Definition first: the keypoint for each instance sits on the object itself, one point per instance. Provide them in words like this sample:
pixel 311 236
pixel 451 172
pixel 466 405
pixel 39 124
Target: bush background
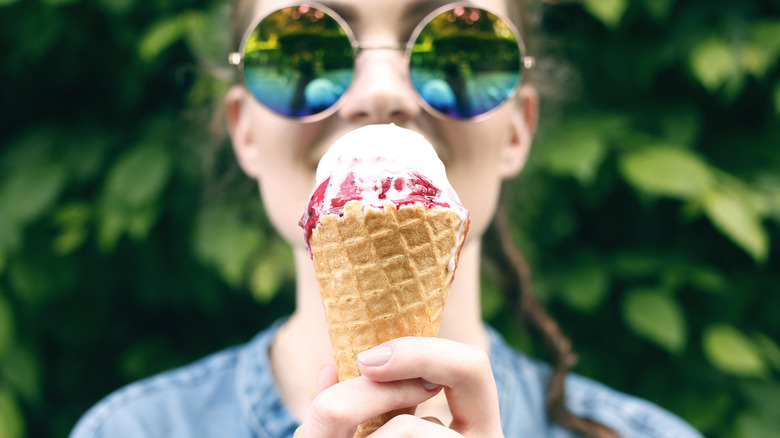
pixel 649 210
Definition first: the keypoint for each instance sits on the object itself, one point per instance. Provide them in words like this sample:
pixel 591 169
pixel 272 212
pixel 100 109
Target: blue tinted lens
pixel 298 61
pixel 465 62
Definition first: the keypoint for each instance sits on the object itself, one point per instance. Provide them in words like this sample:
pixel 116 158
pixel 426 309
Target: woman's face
pixel 282 154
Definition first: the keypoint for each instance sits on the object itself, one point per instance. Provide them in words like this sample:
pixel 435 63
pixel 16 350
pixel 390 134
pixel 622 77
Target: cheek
pixel 473 170
pixel 286 162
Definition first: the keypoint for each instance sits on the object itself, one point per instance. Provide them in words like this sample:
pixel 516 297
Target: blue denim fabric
pixel 232 394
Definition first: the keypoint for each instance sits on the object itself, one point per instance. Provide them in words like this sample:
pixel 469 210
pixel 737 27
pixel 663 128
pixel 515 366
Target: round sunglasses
pixel 464 61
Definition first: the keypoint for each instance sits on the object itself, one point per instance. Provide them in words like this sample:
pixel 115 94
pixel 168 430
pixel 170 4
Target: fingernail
pixel 428 385
pixel 375 356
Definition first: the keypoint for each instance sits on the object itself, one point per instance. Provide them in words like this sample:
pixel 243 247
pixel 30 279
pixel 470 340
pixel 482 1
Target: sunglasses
pixel 463 61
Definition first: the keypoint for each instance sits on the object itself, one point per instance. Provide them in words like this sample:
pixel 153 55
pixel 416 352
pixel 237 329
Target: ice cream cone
pixel 383 273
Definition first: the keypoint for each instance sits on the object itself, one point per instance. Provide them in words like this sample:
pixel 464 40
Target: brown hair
pixel 562 356
pixel 530 310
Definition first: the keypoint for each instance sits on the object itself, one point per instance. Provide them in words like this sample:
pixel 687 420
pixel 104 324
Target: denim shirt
pixel 232 394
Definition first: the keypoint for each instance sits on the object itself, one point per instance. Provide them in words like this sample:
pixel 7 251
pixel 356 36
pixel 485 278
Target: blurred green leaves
pixel 227 243
pixel 663 170
pixel 657 317
pixel 677 173
pixel 649 208
pixel 736 216
pixel 133 186
pixel 733 352
pixel 31 184
pixel 722 61
pixel 610 12
pixel 12 425
pixel 7 326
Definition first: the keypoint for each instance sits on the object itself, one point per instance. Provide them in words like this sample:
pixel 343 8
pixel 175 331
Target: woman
pixel 468 381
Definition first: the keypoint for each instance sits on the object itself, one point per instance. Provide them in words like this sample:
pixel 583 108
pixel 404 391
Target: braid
pixel 557 343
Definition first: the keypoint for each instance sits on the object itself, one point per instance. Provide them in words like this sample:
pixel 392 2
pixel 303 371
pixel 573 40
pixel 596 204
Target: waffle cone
pixel 383 274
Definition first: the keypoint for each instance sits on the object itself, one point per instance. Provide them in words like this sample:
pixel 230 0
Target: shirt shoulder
pixel 522 391
pixel 165 404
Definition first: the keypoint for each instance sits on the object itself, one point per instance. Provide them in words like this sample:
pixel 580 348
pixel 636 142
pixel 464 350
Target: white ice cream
pixel 376 164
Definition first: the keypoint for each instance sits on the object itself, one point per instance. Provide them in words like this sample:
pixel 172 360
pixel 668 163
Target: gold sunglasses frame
pixel 526 62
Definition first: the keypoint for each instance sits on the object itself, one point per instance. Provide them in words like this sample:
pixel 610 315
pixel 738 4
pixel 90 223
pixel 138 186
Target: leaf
pixel 736 217
pixel 492 298
pixel 748 424
pixel 138 176
pixel 7 326
pixel 655 316
pixel 3 257
pixel 585 285
pixel 30 191
pixel 765 36
pixel 12 424
pixel 132 188
pixel 223 241
pixel 21 368
pixel 776 97
pixel 637 263
pixel 769 348
pixel 265 282
pixel 713 63
pixel 755 60
pixel 577 148
pixel 705 411
pixel 729 350
pixel 666 171
pixel 59 2
pixel 609 12
pixel 681 124
pixel 271 272
pixel 7 2
pixel 117 7
pixel 204 33
pixel 72 220
pixel 659 9
pixel 579 158
pixel 763 398
pixel 160 36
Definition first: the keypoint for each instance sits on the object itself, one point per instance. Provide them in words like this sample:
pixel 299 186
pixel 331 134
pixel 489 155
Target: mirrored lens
pixel 298 61
pixel 465 62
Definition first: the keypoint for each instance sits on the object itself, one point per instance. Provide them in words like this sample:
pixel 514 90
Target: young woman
pixel 465 93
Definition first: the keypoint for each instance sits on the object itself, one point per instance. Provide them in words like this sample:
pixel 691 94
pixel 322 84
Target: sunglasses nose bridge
pixel 381 90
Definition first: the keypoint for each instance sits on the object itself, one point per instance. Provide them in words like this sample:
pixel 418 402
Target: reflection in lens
pixel 298 61
pixel 465 62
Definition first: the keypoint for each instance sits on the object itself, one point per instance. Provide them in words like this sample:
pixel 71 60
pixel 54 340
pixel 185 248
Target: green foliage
pixel 655 316
pixel 649 208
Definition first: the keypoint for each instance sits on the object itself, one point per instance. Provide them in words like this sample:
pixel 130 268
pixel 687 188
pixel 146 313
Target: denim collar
pixel 257 392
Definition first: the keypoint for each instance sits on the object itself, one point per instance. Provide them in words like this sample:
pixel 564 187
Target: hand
pixel 405 372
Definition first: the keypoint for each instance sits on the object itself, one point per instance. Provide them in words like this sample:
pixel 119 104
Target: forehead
pixel 384 9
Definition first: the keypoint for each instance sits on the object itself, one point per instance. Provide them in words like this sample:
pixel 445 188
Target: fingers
pixel 411 426
pixel 337 411
pixel 463 370
pixel 433 420
pixel 327 377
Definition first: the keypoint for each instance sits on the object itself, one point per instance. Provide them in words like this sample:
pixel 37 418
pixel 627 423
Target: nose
pixel 381 91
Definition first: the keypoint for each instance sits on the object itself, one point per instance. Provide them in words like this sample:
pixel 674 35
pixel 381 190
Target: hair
pixel 562 356
pixel 510 257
